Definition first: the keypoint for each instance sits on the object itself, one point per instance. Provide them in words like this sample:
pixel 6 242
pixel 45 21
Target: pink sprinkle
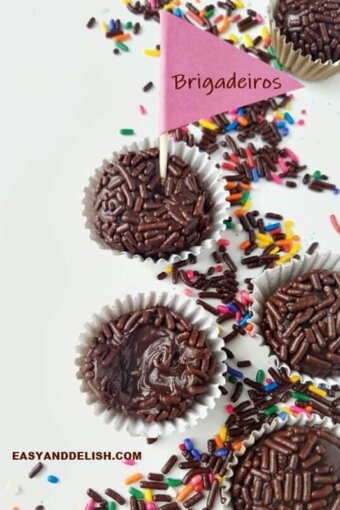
pixel 211 477
pixel 269 380
pixel 229 408
pixel 90 505
pixel 292 155
pixel 184 129
pixel 189 274
pixel 188 292
pixel 234 117
pixel 300 122
pixel 222 309
pixel 142 110
pixel 246 296
pixel 218 269
pixel 259 18
pixel 236 18
pixel 196 479
pixel 298 410
pixel 276 178
pixel 283 165
pixel 303 112
pixel 233 111
pixel 151 506
pixel 129 462
pixel 223 242
pixel 238 316
pixel 335 223
pixel 153 4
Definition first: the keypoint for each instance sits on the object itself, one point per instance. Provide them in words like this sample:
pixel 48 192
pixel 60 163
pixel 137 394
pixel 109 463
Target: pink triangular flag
pixel 188 52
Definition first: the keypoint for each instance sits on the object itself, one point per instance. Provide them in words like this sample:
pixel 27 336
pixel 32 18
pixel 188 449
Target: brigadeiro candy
pixel 130 210
pixel 306 36
pixel 151 362
pixel 296 467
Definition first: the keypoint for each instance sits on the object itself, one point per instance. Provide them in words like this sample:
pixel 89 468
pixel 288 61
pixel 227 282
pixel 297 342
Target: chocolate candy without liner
pixel 301 323
pixel 135 213
pixel 293 468
pixel 151 364
pixel 313 26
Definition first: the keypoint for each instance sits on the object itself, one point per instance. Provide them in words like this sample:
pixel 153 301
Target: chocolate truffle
pixel 312 26
pixel 151 364
pixel 301 323
pixel 295 467
pixel 136 213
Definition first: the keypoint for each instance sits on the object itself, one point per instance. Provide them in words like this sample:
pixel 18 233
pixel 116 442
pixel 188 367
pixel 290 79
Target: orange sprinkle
pixel 249 327
pixel 133 478
pixel 237 446
pixel 296 238
pixel 309 409
pixel 283 243
pixel 245 245
pixel 121 37
pixel 234 197
pixel 202 13
pixel 224 25
pixel 176 2
pixel 245 187
pixel 239 212
pixel 230 185
pixel 218 441
pixel 242 121
pixel 184 493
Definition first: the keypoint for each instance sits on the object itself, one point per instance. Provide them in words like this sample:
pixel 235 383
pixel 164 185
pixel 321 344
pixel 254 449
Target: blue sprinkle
pixel 231 127
pixel 232 308
pixel 255 175
pixel 272 226
pixel 281 124
pixel 52 479
pixel 282 415
pixel 112 25
pixel 240 111
pixel 221 452
pixel 233 371
pixel 336 191
pixel 195 454
pixel 188 444
pixel 289 118
pixel 178 12
pixel 271 386
pixel 284 131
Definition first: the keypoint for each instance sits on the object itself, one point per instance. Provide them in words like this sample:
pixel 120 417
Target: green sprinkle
pixel 232 379
pixel 260 375
pixel 230 225
pixel 111 505
pixel 317 175
pixel 135 492
pixel 122 46
pixel 271 51
pixel 278 64
pixel 128 25
pixel 126 131
pixel 300 396
pixel 270 410
pixel 209 13
pixel 173 482
pixel 245 197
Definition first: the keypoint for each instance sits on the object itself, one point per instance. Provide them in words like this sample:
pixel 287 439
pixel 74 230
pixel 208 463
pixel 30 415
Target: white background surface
pixel 64 97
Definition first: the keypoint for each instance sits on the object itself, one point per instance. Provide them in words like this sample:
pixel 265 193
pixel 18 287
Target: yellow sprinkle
pixel 219 478
pixel 283 259
pixel 223 433
pixel 246 206
pixel 234 38
pixel 168 270
pixel 317 391
pixel 248 41
pixel 104 27
pixel 207 124
pixel 295 249
pixel 151 53
pixel 288 223
pixel 288 106
pixel 263 244
pixel 148 495
pixel 294 378
pixel 279 115
pixel 218 331
pixel 274 250
pixel 167 7
pixel 239 4
pixel 127 2
pixel 286 410
pixel 264 32
pixel 264 237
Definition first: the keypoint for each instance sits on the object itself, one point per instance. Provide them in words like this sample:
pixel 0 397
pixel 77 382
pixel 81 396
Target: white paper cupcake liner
pixel 193 313
pixel 276 424
pixel 210 178
pixel 269 282
pixel 299 65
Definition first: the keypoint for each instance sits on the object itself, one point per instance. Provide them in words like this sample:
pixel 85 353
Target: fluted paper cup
pixel 210 178
pixel 196 316
pixel 256 435
pixel 301 66
pixel 269 282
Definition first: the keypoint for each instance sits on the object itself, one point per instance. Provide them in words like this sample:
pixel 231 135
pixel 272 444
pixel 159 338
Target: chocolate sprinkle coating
pixel 150 363
pixel 313 26
pixel 135 213
pixel 295 467
pixel 301 323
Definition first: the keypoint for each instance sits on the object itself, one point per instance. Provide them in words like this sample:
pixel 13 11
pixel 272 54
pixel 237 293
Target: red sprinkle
pixel 223 242
pixel 335 223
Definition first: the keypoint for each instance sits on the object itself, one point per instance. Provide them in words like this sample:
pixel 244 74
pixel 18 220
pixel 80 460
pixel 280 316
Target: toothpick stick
pixel 163 155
